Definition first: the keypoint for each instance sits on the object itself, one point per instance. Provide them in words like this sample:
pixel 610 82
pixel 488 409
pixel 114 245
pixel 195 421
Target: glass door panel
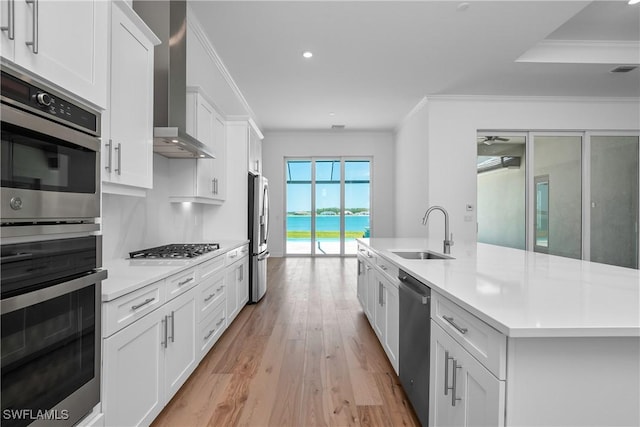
pixel 357 196
pixel 328 218
pixel 614 200
pixel 298 223
pixel 559 158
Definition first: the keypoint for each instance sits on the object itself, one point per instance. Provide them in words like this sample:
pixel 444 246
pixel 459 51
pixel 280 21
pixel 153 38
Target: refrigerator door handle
pixel 264 255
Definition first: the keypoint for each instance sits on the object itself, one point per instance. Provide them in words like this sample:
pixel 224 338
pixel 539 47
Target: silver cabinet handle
pixel 368 267
pixel 453 381
pixel 380 293
pixel 142 304
pixel 207 299
pixel 209 334
pixel 164 322
pixel 219 322
pixel 369 255
pixel 184 282
pixel 446 372
pixel 359 267
pixel 34 43
pixel 452 323
pixel 383 267
pixel 109 155
pixel 119 150
pixel 10 28
pixel 241 273
pixel 173 326
pixel 257 167
pixel 233 254
pixel 220 288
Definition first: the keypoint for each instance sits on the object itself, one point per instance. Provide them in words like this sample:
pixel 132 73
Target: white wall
pixel 450 135
pixel 411 192
pixel 378 145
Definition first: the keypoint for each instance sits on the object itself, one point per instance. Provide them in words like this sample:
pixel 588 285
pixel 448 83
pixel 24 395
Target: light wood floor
pixel 304 356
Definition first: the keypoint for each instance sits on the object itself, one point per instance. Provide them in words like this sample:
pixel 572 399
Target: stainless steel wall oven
pixel 50 160
pixel 51 330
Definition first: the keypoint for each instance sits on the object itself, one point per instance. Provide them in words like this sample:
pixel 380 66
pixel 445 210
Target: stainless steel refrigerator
pixel 258 236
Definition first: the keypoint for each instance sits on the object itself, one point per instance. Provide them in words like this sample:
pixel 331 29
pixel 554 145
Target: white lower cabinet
pixel 379 299
pixel 463 392
pixel 237 284
pixel 147 362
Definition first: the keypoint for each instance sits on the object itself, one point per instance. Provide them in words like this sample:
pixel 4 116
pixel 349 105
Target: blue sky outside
pixel 327 193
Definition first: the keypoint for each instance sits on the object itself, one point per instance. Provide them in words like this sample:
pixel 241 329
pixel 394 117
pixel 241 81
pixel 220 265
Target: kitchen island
pixel 522 338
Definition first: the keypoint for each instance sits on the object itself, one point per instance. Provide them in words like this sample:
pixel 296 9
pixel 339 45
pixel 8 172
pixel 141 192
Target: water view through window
pixel 328 205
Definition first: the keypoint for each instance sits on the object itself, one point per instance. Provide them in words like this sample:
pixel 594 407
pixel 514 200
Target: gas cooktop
pixel 180 251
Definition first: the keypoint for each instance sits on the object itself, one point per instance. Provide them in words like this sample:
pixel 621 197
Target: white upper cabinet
pixel 201 180
pixel 64 42
pixel 127 154
pixel 255 149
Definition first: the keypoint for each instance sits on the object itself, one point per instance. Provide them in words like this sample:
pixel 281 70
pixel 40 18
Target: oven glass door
pixel 49 350
pixel 34 161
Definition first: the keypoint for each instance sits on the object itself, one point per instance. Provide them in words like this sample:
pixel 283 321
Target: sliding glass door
pixel 582 191
pixel 328 205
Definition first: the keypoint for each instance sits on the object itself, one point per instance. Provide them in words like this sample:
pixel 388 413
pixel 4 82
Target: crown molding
pixel 416 108
pixel 198 31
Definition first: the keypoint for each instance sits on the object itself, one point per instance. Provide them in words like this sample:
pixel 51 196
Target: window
pixel 328 205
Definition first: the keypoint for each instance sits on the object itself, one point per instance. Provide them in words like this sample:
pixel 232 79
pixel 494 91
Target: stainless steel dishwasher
pixel 415 335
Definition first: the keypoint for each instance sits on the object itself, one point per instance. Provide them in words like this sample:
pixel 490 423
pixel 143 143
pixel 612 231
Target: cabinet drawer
pixel 181 282
pixel 481 340
pixel 130 307
pixel 211 293
pixel 244 251
pixel 210 267
pixel 211 328
pixel 388 268
pixel 233 256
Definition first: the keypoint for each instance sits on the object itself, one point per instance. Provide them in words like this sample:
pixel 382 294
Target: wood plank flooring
pixel 304 356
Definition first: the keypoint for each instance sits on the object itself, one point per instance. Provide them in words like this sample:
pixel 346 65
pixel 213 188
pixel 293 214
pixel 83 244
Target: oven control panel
pixel 27 95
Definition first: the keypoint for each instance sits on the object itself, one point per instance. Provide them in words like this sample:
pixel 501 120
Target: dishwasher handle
pixel 416 288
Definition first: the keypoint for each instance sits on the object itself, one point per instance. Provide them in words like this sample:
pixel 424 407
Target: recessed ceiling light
pixel 201 155
pixel 634 1
pixel 331 114
pixel 307 54
pixel 464 6
pixel 175 141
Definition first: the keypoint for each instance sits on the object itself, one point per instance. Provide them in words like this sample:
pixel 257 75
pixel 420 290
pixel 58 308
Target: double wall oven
pixel 51 255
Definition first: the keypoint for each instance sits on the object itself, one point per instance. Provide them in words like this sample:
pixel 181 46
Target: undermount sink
pixel 421 255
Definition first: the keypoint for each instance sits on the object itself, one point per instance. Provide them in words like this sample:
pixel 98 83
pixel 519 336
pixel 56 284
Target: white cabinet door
pixel 255 152
pixel 243 284
pixel 380 321
pixel 220 162
pixel 392 326
pixel 232 293
pixel 372 293
pixel 68 43
pixel 464 392
pixel 201 180
pixel 362 284
pixel 180 354
pixel 7 36
pixel 133 372
pixel 129 156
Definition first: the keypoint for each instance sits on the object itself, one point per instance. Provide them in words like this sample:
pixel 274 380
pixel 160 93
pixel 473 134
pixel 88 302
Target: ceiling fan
pixel 488 140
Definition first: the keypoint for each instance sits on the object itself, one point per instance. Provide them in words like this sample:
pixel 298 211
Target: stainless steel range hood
pixel 168 20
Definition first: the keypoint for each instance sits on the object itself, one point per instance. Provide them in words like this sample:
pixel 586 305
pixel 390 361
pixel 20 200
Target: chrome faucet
pixel 448 240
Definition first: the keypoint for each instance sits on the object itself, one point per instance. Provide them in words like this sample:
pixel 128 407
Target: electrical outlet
pixel 469 208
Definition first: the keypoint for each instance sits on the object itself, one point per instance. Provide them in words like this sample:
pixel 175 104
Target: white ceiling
pixel 375 60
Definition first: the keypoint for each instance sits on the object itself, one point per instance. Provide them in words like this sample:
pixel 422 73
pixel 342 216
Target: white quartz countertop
pixel 526 294
pixel 126 275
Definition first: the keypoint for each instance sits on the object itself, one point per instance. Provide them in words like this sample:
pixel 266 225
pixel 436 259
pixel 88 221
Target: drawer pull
pixel 207 299
pixel 220 288
pixel 383 267
pixel 209 334
pixel 452 323
pixel 233 254
pixel 184 282
pixel 453 385
pixel 143 303
pixel 219 322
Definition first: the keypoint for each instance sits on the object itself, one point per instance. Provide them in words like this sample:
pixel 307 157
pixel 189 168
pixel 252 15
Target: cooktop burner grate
pixel 175 251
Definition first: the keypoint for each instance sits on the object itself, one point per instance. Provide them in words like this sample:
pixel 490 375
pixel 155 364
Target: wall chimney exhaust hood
pixel 168 20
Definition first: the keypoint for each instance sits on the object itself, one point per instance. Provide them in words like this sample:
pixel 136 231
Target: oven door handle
pixel 21 301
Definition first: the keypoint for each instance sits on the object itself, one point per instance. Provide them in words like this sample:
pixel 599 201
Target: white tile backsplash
pixel 132 223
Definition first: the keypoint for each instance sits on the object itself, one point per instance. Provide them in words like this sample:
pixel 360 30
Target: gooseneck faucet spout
pixel 448 239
